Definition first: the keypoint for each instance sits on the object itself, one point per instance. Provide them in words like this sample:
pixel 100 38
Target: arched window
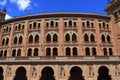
pixel 19 26
pixel 55 37
pixel 88 23
pixel 29 52
pixel 105 51
pixel 6 29
pixel 83 24
pixel 68 51
pixel 20 39
pixel 110 51
pixel 56 24
pixel 13 53
pixel 15 40
pixel 19 52
pixel 65 23
pixel 5 53
pixel 47 24
pixel 108 38
pixel 7 41
pixel 100 25
pixel 30 25
pixel 103 25
pixel 87 51
pixel 92 24
pixel 55 51
pixel 38 25
pixel 67 37
pixel 70 23
pixel 30 39
pixel 86 38
pixel 74 37
pixel 3 41
pixel 94 51
pixel 34 25
pixel 92 37
pixel 75 24
pixel 48 38
pixel 52 23
pixel 36 52
pixel 75 52
pixel 103 38
pixel 48 52
pixel 107 26
pixel 36 38
pixel 1 53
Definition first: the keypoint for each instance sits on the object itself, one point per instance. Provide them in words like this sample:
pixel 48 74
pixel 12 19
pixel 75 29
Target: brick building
pixel 61 46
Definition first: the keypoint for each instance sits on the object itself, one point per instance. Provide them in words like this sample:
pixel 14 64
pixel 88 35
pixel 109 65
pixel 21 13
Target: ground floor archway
pixel 103 73
pixel 1 74
pixel 20 74
pixel 76 74
pixel 47 74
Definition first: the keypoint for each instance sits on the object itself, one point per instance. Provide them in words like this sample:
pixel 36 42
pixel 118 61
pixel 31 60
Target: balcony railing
pixel 61 58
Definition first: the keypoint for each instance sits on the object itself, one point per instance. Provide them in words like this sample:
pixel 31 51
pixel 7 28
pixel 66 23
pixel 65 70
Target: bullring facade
pixel 61 46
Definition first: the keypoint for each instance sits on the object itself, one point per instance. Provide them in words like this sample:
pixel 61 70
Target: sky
pixel 24 7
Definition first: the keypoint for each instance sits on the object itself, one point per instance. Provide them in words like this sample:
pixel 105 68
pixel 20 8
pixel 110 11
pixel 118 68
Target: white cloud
pixel 7 16
pixel 22 4
pixel 3 2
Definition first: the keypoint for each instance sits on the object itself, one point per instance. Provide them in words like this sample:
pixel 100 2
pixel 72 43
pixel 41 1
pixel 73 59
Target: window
pixel 48 38
pixel 83 24
pixel 86 38
pixel 36 38
pixel 92 24
pixel 48 52
pixel 30 39
pixel 7 41
pixel 1 53
pixel 55 51
pixel 30 26
pixel 103 25
pixel 87 51
pixel 19 52
pixel 116 15
pixel 56 24
pixel 65 23
pixel 110 51
pixel 13 53
pixel 47 24
pixel 52 23
pixel 68 51
pixel 5 53
pixel 36 52
pixel 94 51
pixel 88 23
pixel 75 52
pixel 103 38
pixel 92 37
pixel 74 37
pixel 29 52
pixel 75 24
pixel 20 39
pixel 3 41
pixel 108 38
pixel 19 26
pixel 105 51
pixel 38 25
pixel 55 37
pixel 34 25
pixel 99 25
pixel 70 23
pixel 67 37
pixel 15 40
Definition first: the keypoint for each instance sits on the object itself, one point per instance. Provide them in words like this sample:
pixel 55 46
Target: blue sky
pixel 23 7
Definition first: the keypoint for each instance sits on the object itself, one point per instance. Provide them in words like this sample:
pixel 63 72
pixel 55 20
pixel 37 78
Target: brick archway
pixel 103 73
pixel 76 74
pixel 20 74
pixel 47 74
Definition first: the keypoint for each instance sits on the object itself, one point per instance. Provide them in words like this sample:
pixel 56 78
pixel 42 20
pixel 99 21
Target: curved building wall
pixel 58 43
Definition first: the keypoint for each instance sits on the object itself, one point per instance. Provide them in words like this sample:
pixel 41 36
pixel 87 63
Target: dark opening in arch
pixel 47 74
pixel 20 74
pixel 103 73
pixel 1 74
pixel 76 74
